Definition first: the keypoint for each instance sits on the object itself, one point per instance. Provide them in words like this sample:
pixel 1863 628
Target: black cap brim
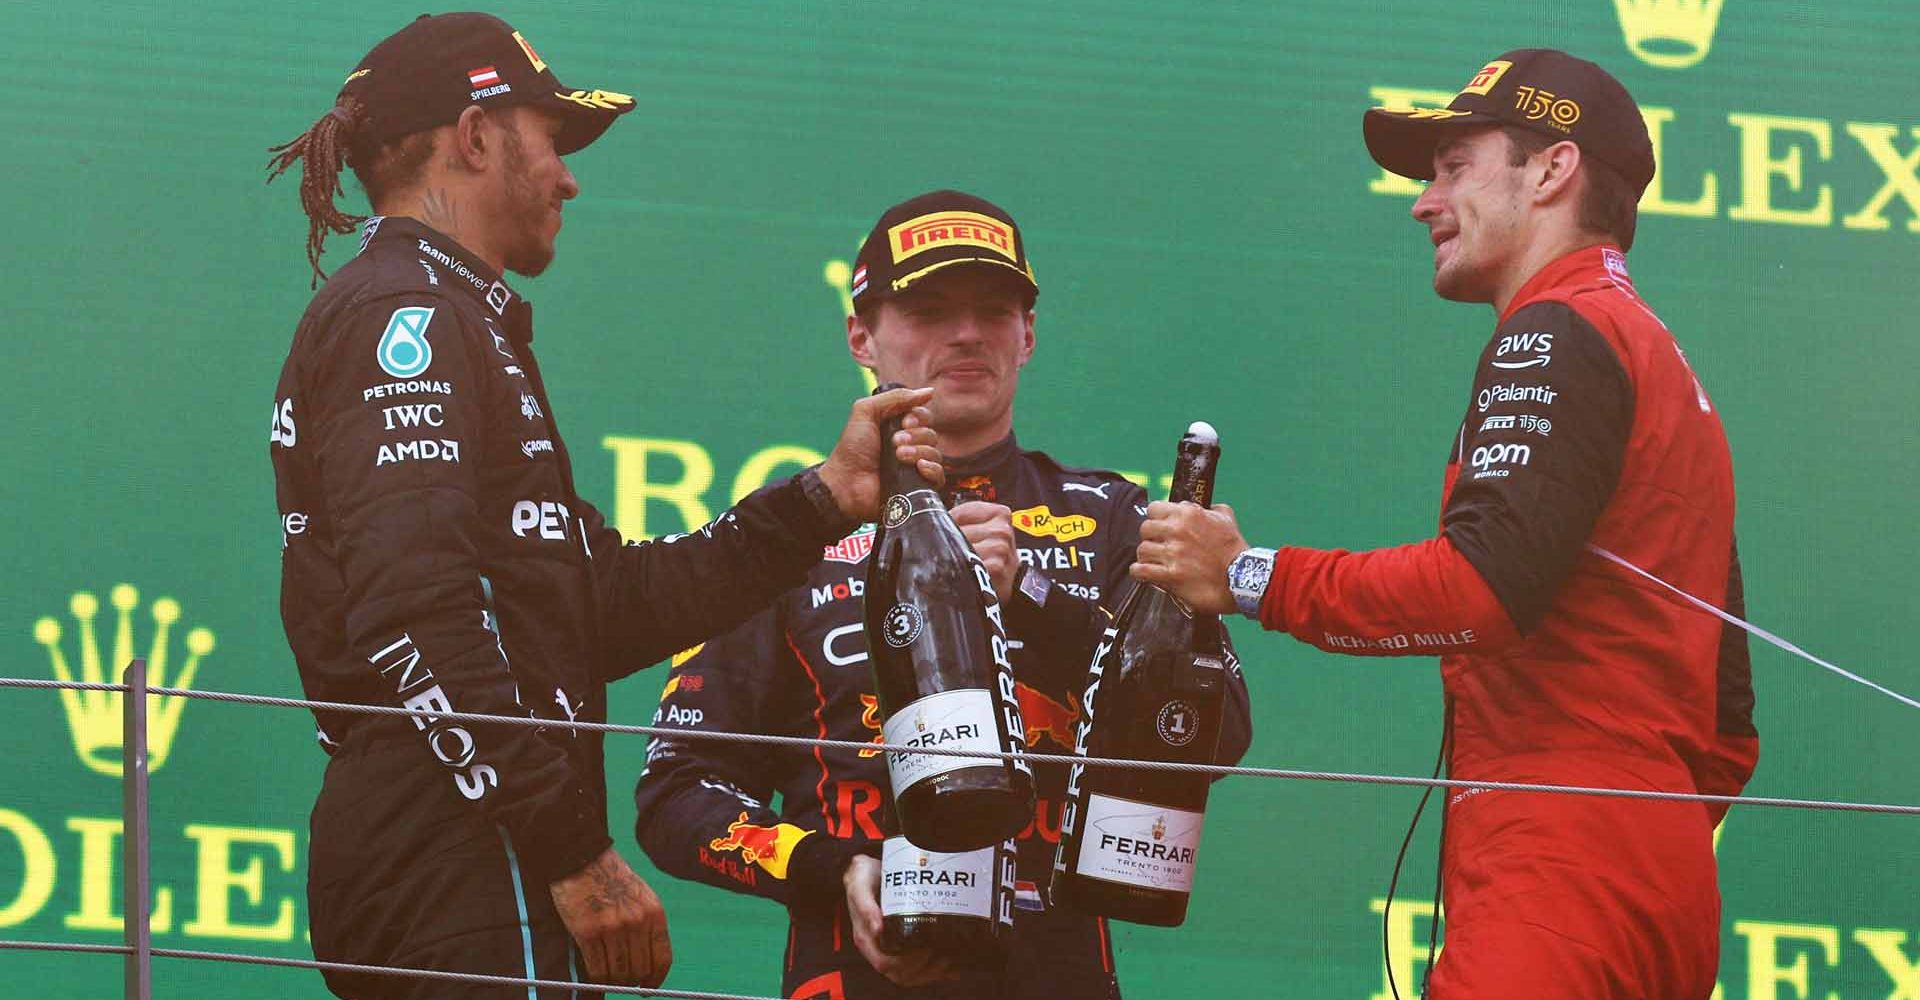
pixel 584 115
pixel 1404 141
pixel 922 274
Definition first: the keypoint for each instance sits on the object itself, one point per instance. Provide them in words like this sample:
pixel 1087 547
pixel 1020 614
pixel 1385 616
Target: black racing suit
pixel 800 668
pixel 436 555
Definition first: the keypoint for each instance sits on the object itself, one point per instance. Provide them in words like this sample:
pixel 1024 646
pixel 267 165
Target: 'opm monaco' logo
pixel 94 717
pixel 1669 34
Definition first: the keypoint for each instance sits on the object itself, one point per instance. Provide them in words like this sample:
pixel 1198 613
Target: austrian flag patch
pixel 483 77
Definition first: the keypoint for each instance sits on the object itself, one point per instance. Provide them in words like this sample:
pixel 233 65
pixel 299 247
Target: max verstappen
pixel 437 556
pixel 943 296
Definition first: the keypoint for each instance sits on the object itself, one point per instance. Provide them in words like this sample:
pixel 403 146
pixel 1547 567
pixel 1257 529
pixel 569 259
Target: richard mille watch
pixel 1248 576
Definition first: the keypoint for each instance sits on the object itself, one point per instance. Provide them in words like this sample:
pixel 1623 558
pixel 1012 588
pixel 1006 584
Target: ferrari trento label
pixel 949 720
pixel 914 881
pixel 1140 844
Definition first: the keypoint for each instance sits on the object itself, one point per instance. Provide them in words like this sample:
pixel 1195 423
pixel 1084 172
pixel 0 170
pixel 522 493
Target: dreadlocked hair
pixel 324 147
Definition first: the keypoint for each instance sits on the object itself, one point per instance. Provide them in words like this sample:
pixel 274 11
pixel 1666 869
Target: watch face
pixel 1250 572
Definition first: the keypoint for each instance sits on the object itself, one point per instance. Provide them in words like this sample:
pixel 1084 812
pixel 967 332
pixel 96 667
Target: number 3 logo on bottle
pixel 1176 723
pixel 902 625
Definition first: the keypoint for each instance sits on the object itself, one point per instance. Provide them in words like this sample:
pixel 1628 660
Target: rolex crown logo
pixel 1670 34
pixel 94 717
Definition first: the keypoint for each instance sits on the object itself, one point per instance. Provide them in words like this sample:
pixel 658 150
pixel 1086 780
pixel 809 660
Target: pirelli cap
pixel 427 73
pixel 1545 90
pixel 938 229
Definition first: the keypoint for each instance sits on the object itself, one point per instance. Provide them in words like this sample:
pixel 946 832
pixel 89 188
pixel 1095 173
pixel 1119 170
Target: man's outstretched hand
pixel 1185 550
pixel 852 472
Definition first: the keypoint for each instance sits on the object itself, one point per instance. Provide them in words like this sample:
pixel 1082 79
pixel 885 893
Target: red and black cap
pixel 427 73
pixel 1545 90
pixel 936 230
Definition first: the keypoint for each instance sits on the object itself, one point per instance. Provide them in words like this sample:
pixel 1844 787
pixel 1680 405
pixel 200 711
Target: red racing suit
pixel 1585 426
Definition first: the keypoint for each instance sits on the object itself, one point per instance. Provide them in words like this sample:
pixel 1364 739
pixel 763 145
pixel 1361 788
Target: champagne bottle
pixel 1129 838
pixel 957 905
pixel 940 669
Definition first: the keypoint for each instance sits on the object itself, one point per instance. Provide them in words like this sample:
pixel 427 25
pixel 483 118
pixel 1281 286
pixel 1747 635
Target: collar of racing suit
pixel 984 462
pixel 1602 260
pixel 468 273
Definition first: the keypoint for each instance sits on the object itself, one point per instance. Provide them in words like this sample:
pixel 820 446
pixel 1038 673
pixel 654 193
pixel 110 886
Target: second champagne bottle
pixel 1129 838
pixel 941 671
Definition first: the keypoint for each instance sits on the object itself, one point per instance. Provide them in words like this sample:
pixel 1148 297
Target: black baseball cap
pixel 932 231
pixel 1544 90
pixel 427 73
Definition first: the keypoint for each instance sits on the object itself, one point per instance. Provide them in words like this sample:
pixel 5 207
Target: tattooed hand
pixel 617 921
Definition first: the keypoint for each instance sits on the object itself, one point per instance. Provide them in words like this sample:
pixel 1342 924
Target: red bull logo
pixel 767 846
pixel 976 488
pixel 1045 717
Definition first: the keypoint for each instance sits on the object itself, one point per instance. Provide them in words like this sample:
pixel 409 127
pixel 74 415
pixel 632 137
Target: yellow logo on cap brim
pixel 596 100
pixel 1425 114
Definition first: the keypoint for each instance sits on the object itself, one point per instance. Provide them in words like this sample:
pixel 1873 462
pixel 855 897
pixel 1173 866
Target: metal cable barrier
pixel 135 844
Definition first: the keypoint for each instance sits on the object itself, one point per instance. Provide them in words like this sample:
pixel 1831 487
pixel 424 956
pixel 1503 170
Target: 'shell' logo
pixel 870 718
pixel 95 717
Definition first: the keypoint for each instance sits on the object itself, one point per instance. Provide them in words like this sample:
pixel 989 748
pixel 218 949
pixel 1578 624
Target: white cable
pixel 1754 629
pixel 379 970
pixel 1122 763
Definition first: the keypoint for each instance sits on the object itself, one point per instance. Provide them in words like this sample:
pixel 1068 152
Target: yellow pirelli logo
pixel 1489 75
pixel 944 229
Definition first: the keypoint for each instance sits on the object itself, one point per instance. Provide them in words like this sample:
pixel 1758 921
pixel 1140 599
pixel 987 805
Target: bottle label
pixel 949 720
pixel 1140 844
pixel 901 506
pixel 913 881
